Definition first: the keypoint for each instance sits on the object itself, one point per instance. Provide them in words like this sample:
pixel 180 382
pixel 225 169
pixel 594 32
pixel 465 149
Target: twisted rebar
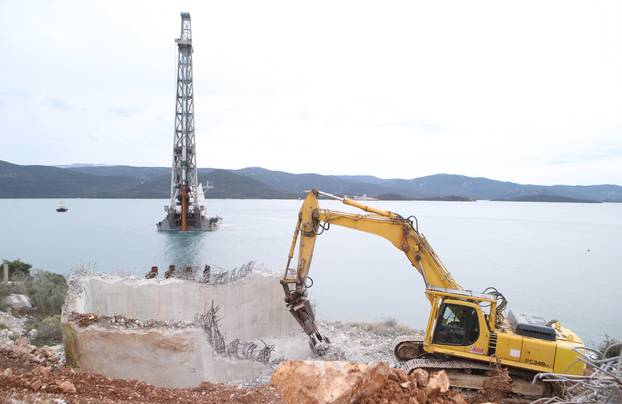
pixel 604 385
pixel 235 349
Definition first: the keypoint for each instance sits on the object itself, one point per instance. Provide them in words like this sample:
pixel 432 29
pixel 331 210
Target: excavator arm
pixel 312 221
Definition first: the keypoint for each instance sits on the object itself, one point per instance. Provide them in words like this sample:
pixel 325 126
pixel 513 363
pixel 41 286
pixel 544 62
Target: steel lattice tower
pixel 186 210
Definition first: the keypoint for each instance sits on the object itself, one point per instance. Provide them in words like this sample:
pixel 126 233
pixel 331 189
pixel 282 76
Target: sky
pixel 527 91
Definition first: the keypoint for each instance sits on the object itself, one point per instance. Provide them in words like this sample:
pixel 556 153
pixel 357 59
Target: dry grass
pixel 389 327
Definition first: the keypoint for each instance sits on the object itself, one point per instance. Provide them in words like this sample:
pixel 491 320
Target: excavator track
pixel 408 347
pixel 435 363
pixel 472 375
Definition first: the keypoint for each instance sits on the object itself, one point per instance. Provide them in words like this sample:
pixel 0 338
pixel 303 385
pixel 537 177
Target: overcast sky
pixel 527 91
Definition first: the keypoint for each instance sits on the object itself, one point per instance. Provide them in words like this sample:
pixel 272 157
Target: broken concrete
pixel 160 338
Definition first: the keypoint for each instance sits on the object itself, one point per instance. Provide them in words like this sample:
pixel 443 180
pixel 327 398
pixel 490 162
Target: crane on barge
pixel 186 210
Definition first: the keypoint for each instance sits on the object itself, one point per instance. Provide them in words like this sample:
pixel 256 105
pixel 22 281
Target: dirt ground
pixel 23 383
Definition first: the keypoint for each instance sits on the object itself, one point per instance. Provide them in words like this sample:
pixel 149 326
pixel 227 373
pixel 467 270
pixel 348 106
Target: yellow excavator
pixel 465 330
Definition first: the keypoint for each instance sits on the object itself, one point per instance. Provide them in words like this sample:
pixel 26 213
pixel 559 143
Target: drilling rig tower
pixel 186 211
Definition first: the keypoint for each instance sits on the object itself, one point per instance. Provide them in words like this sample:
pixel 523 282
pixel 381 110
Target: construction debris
pixel 174 332
pixel 337 382
pixel 22 354
pixel 603 385
pixel 43 384
pixel 235 349
pixel 87 319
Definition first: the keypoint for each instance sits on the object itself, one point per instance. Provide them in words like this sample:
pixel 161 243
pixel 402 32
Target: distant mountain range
pixel 95 181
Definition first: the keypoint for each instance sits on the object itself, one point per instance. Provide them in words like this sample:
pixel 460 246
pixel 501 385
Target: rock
pixel 36 385
pixel 14 325
pixel 32 334
pixel 17 302
pixel 421 376
pixel 21 341
pixel 8 372
pixel 24 349
pixel 439 380
pixel 405 385
pixel 67 387
pixel 333 382
pixel 42 370
pixel 458 399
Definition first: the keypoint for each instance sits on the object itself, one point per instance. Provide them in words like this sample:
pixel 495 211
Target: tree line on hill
pixel 35 181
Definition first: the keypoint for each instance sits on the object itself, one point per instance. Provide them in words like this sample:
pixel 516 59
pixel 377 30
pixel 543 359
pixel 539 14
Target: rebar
pixel 209 321
pixel 603 385
pixel 234 274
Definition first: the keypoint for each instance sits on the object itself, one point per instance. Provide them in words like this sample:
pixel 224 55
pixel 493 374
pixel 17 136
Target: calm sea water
pixel 561 261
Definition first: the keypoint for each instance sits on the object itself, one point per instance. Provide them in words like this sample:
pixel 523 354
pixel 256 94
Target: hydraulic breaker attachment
pixel 301 309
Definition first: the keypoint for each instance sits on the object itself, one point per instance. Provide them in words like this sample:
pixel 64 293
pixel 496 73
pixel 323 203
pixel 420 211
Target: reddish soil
pixel 400 388
pixel 43 384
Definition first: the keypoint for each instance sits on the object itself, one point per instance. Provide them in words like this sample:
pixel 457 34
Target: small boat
pixel 61 207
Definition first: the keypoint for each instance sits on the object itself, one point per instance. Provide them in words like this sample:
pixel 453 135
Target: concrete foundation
pixel 179 353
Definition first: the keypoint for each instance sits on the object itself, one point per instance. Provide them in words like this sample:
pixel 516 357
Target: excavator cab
pixel 456 325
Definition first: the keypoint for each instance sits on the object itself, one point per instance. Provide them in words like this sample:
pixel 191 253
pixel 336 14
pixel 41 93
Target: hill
pixel 546 198
pixel 17 181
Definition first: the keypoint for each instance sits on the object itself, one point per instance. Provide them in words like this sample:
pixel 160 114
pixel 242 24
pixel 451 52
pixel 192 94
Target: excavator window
pixel 457 325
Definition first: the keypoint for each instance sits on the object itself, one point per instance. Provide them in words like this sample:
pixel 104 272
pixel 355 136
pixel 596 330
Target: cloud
pixel 61 104
pixel 464 88
pixel 591 153
pixel 125 112
pixel 427 127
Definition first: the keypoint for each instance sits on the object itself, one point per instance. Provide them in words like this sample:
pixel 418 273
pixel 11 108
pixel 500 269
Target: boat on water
pixel 61 207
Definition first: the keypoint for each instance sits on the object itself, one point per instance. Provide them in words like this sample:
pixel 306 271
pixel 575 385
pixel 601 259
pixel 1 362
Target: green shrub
pixel 47 292
pixel 18 270
pixel 49 331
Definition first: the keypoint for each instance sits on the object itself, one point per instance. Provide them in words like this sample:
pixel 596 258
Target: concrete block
pixel 170 355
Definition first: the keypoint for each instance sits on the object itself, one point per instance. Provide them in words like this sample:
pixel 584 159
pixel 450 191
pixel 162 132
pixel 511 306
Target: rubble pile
pixel 338 382
pixel 43 384
pixel 87 319
pixel 602 385
pixel 22 353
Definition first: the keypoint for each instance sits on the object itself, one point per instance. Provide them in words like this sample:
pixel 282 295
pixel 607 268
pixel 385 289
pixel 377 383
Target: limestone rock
pixel 319 382
pixel 42 370
pixel 459 399
pixel 439 380
pixel 17 302
pixel 67 387
pixel 14 325
pixel 21 341
pixel 421 375
pixel 36 385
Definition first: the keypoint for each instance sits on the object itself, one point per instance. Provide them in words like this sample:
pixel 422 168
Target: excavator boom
pixel 312 220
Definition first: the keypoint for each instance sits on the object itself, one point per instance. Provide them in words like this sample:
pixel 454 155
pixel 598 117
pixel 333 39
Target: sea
pixel 558 260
